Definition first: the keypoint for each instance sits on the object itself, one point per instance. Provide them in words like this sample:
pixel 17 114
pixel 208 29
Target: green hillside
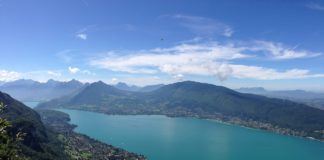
pixel 37 143
pixel 200 100
pixel 47 136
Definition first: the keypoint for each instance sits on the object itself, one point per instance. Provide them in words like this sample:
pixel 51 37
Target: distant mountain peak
pixel 99 83
pixel 191 83
pixel 20 82
pixel 121 84
pixel 25 80
pixel 126 87
pixel 253 89
pixel 52 82
pixel 75 82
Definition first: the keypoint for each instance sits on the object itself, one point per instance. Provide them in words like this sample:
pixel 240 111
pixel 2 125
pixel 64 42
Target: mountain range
pixel 200 100
pixel 313 99
pixel 134 88
pixel 30 90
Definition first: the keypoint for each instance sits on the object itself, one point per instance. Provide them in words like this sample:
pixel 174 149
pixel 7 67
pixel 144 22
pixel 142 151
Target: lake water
pixel 31 104
pixel 164 138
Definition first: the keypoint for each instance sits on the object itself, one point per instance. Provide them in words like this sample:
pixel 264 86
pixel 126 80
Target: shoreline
pixel 78 145
pixel 249 124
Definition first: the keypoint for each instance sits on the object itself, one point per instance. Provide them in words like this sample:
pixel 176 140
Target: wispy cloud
pixel 82 33
pixel 73 70
pixel 178 77
pixel 185 58
pixel 207 59
pixel 204 26
pixel 280 51
pixel 114 80
pixel 54 73
pixel 315 6
pixel 40 75
pixel 87 72
pixel 224 71
pixel 262 73
pixel 6 75
pixel 82 36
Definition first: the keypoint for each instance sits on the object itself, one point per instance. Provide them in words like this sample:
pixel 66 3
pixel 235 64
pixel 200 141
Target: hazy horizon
pixel 136 85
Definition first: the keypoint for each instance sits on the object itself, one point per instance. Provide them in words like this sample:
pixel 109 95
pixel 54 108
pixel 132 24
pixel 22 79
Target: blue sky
pixel 274 44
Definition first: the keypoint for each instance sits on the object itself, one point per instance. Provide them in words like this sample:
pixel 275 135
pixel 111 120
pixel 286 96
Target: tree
pixel 9 142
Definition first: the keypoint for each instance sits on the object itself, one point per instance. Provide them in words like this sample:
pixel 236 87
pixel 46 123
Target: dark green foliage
pixel 38 143
pixel 212 98
pixel 9 142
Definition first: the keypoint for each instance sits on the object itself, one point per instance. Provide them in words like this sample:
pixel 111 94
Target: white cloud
pixel 9 75
pixel 207 59
pixel 280 51
pixel 41 76
pixel 73 70
pixel 223 72
pixel 261 73
pixel 114 80
pixel 87 72
pixel 54 73
pixel 82 33
pixel 178 77
pixel 204 26
pixel 315 6
pixel 82 36
pixel 185 58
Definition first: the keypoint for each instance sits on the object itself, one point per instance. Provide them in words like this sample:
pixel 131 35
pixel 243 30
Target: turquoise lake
pixel 164 138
